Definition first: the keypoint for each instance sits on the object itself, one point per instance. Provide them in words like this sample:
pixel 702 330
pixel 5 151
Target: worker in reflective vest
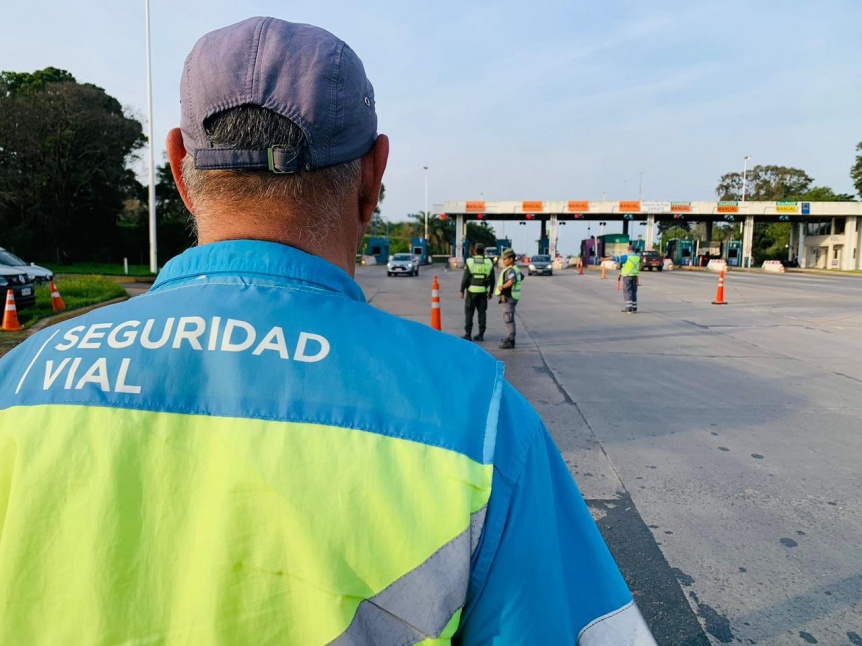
pixel 509 290
pixel 245 455
pixel 478 281
pixel 629 275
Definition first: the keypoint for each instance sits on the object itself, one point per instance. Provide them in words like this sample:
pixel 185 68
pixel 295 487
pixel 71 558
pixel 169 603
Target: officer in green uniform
pixel 478 281
pixel 509 290
pixel 629 270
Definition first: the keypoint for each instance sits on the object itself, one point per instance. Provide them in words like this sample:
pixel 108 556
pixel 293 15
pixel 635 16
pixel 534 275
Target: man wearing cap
pixel 630 265
pixel 509 290
pixel 232 459
pixel 478 281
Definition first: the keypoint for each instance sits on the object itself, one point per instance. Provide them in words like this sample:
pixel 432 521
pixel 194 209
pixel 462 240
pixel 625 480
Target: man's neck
pixel 337 246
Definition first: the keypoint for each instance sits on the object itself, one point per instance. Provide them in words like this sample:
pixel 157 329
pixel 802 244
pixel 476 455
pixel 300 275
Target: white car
pixel 402 263
pixel 36 273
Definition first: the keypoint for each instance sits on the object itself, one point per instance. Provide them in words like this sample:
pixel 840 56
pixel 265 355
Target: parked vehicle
pixel 540 264
pixel 651 260
pixel 493 253
pixel 402 263
pixel 36 273
pixel 21 285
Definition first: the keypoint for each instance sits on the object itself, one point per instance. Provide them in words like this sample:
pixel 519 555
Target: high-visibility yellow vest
pixel 632 265
pixel 516 286
pixel 480 269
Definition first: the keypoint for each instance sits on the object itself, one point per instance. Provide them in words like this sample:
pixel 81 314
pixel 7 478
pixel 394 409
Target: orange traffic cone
pixel 581 268
pixel 719 293
pixel 436 323
pixel 10 315
pixel 56 302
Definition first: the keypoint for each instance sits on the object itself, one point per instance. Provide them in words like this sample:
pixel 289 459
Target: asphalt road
pixel 717 446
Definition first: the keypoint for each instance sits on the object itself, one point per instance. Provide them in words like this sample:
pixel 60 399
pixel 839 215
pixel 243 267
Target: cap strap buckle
pixel 281 160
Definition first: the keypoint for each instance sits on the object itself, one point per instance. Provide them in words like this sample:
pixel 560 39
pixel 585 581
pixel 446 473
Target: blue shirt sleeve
pixel 542 571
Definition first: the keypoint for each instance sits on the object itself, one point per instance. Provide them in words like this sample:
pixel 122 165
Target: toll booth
pixel 639 245
pixel 591 251
pixel 708 250
pixel 681 252
pixel 614 245
pixel 733 251
pixel 544 247
pixel 379 248
pixel 466 251
pixel 419 247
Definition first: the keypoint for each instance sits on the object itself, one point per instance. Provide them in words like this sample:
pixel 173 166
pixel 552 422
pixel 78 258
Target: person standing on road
pixel 236 458
pixel 478 281
pixel 630 266
pixel 509 290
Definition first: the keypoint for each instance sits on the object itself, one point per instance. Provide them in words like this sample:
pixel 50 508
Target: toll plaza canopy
pixel 826 235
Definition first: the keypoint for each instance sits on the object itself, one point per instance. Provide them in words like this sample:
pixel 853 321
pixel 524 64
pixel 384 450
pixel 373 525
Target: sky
pixel 541 100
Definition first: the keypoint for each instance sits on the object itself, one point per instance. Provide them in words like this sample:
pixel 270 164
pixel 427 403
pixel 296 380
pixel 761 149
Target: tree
pixel 64 151
pixel 856 171
pixel 483 233
pixel 824 194
pixel 764 183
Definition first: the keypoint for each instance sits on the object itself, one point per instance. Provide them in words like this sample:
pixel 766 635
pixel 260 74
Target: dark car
pixel 540 264
pixel 652 260
pixel 20 284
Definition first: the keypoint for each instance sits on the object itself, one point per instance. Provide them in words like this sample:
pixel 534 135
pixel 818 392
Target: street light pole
pixel 641 186
pixel 747 229
pixel 744 171
pixel 426 202
pixel 154 267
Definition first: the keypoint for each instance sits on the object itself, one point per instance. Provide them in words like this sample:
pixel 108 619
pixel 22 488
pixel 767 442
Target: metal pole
pixel 641 186
pixel 154 267
pixel 426 202
pixel 746 238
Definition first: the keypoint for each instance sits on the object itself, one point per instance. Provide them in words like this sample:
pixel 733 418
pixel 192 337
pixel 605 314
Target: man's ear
pixel 373 165
pixel 176 153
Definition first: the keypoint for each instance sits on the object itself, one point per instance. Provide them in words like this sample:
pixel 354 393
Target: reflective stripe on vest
pixel 422 603
pixel 480 269
pixel 516 287
pixel 632 265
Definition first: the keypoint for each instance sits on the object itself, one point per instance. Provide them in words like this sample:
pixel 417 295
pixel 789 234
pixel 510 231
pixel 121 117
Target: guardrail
pixel 773 266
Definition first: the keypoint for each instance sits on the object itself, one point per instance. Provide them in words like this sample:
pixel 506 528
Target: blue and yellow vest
pixel 229 459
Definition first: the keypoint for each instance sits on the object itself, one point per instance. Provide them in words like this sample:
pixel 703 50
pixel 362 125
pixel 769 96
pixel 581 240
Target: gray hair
pixel 317 194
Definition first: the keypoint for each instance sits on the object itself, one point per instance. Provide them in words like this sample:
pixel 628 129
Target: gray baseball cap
pixel 301 72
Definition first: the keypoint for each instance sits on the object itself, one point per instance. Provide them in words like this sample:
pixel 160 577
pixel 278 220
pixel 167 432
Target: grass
pixel 76 292
pixel 104 269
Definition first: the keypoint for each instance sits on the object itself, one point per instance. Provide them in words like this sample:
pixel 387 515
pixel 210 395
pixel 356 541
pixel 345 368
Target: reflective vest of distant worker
pixel 478 281
pixel 509 290
pixel 630 267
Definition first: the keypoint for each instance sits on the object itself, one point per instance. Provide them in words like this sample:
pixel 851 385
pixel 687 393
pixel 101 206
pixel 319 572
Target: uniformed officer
pixel 629 275
pixel 509 290
pixel 478 281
